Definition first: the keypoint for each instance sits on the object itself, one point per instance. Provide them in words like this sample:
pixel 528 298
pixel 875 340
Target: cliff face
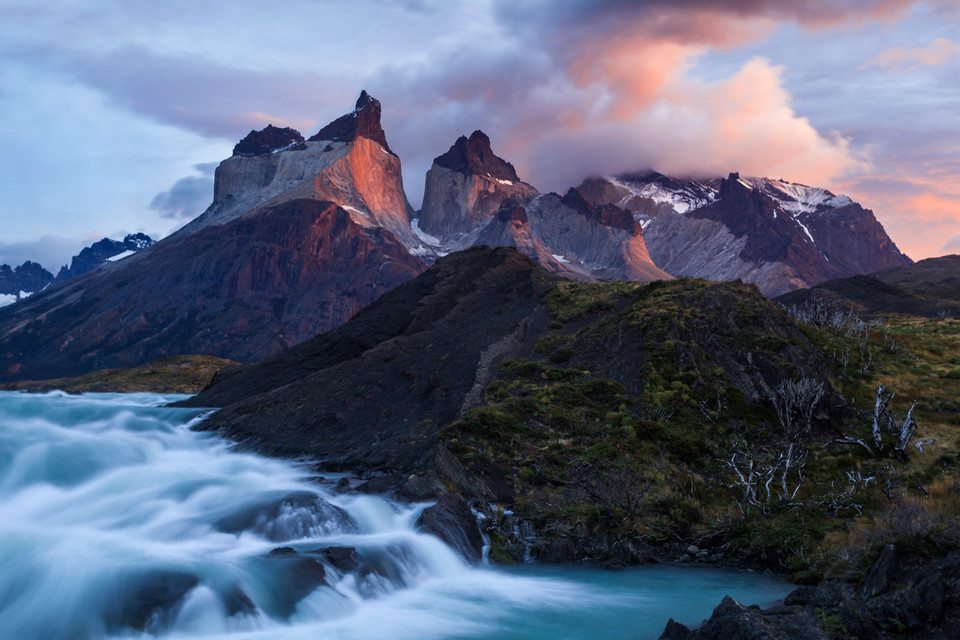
pixel 464 189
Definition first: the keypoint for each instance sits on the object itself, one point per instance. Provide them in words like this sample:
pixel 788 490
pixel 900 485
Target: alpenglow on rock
pixel 299 237
pixel 777 234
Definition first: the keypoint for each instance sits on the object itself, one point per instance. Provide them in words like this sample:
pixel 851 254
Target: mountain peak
pixel 268 140
pixel 473 155
pixel 362 122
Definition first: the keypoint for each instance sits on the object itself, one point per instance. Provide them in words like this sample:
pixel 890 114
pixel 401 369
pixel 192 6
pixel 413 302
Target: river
pixel 118 521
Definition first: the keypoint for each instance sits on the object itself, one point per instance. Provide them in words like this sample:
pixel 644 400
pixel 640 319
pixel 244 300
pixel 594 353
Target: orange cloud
pixel 941 51
pixel 921 214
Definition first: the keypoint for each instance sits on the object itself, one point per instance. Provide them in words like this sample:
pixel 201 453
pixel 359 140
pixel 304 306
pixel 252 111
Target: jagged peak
pixel 362 122
pixel 474 155
pixel 268 140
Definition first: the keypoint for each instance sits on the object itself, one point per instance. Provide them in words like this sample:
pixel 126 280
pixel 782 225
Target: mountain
pixel 102 251
pixel 301 234
pixel 929 288
pixel 20 282
pixel 474 197
pixel 30 277
pixel 780 235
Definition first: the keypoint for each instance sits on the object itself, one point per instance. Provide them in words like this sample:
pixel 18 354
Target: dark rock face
pixel 28 277
pixel 452 521
pixel 363 122
pixel 393 376
pixel 269 140
pixel 473 155
pixel 99 252
pixel 607 215
pixel 245 290
pixel 917 599
pixel 343 559
pixel 733 621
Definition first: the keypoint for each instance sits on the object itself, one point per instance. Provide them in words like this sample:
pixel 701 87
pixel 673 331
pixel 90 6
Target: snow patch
pixel 560 258
pixel 354 209
pixel 423 235
pixel 805 230
pixel 682 200
pixel 506 182
pixel 796 198
pixel 121 256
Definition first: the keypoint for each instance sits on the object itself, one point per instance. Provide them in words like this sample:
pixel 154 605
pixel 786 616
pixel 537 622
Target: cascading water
pixel 117 520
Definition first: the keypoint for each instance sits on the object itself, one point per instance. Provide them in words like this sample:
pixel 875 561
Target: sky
pixel 114 114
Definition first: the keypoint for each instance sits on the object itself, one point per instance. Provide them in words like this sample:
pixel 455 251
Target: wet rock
pixel 559 550
pixel 344 559
pixel 734 621
pixel 155 595
pixel 283 551
pixel 452 521
pixel 236 602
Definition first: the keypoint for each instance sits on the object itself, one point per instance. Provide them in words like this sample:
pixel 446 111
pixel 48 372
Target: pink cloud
pixel 940 51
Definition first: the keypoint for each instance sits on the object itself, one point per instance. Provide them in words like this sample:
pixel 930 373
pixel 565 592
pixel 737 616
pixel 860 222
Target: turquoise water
pixel 117 520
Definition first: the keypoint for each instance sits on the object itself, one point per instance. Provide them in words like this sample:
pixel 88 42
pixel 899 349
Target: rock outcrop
pixel 780 235
pixel 464 190
pixel 899 597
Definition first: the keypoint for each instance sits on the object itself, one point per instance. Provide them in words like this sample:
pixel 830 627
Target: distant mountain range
pixel 30 277
pixel 304 232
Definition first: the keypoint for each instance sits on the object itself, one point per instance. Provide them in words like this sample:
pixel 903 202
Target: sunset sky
pixel 113 114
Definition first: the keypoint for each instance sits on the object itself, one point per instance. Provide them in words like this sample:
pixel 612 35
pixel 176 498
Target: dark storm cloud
pixel 188 196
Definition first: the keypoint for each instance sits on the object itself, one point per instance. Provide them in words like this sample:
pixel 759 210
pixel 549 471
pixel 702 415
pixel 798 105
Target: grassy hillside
pixel 647 421
pixel 178 374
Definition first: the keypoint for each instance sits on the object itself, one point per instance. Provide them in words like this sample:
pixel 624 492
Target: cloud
pixel 939 52
pixel 188 196
pixel 953 244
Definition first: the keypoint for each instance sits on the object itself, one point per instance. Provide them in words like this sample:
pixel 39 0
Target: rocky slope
pixel 779 235
pixel 300 236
